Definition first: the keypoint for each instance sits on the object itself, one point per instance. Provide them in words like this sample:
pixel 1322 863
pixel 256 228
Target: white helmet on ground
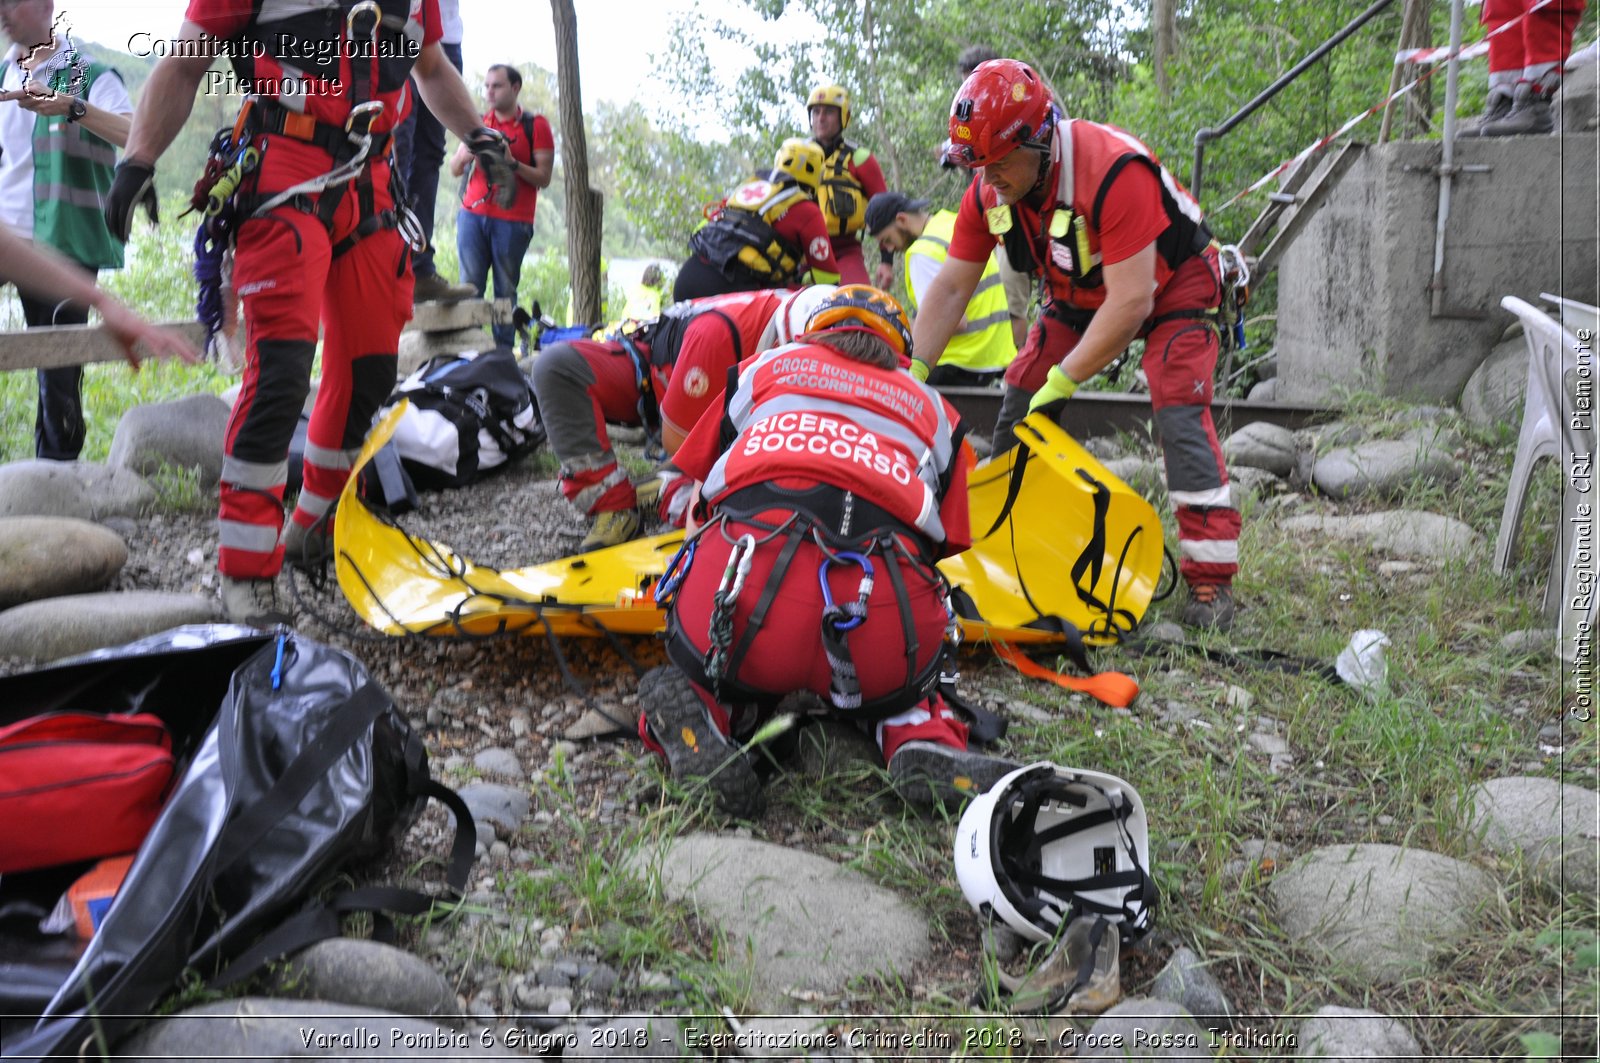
pixel 789 319
pixel 1046 844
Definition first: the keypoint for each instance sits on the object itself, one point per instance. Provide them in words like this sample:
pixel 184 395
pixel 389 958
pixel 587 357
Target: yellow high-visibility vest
pixel 983 343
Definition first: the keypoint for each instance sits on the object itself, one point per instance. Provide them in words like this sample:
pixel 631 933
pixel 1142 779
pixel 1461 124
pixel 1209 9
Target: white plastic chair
pixel 1575 315
pixel 1550 430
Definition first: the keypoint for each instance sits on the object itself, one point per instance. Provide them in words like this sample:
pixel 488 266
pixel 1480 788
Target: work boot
pixel 308 548
pixel 928 773
pixel 611 528
pixel 432 288
pixel 647 494
pixel 681 723
pixel 1530 114
pixel 1495 108
pixel 254 602
pixel 1210 605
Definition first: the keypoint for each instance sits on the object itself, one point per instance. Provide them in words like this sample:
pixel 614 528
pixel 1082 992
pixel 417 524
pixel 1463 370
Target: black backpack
pixel 297 765
pixel 469 413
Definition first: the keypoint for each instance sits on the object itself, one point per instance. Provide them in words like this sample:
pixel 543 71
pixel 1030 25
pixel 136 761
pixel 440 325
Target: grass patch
pixel 109 390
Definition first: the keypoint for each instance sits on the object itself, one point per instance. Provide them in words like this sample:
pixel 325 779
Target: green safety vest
pixel 983 343
pixel 72 171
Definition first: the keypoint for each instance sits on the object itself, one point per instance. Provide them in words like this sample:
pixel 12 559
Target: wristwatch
pixel 76 110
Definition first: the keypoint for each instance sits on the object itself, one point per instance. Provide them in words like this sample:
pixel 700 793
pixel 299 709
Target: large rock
pixel 1146 1028
pixel 1186 980
pixel 368 974
pixel 42 557
pixel 186 433
pixel 1384 468
pixel 1550 824
pixel 1495 391
pixel 1378 909
pixel 498 805
pixel 1262 446
pixel 1407 533
pixel 72 489
pixel 418 347
pixel 1346 1035
pixel 60 627
pixel 809 924
pixel 261 1028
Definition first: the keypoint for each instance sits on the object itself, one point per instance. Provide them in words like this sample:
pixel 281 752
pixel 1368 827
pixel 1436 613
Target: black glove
pixel 134 185
pixel 492 151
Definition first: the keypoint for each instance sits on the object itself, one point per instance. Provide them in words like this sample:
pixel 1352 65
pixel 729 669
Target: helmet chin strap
pixel 1042 144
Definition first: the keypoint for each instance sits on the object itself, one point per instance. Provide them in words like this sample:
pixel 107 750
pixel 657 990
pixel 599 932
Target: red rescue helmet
pixel 1002 106
pixel 861 306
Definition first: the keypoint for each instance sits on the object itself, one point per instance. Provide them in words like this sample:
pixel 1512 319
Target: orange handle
pixel 1108 688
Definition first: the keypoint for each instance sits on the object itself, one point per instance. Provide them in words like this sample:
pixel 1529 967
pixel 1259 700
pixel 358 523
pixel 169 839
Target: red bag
pixel 78 786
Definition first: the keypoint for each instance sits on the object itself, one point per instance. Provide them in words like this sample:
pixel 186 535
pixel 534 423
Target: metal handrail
pixel 1204 136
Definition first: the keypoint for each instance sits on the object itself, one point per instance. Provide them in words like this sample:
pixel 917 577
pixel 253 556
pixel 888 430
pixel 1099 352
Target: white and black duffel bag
pixel 469 413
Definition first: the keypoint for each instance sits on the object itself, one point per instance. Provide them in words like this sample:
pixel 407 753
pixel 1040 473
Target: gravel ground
pixel 505 693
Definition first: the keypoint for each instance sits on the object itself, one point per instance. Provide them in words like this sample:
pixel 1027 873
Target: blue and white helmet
pixel 1047 844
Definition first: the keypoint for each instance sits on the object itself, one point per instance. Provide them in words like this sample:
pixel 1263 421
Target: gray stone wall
pixel 1354 305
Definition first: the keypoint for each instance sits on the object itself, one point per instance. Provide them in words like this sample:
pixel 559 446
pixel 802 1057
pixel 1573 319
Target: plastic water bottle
pixel 1104 987
pixel 1362 663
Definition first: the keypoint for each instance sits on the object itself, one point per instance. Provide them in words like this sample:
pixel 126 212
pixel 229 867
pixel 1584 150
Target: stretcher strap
pixel 1108 688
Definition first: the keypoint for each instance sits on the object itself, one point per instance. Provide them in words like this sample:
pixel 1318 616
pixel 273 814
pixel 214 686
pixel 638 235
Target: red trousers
pixel 786 654
pixel 290 284
pixel 1545 36
pixel 1180 360
pixel 581 385
pixel 852 263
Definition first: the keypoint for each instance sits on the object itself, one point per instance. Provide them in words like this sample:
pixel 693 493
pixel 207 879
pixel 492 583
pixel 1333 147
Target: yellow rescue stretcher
pixel 1059 539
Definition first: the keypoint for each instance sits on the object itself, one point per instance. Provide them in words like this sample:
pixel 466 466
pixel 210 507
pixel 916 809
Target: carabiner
pixel 365 8
pixel 854 617
pixel 367 111
pixel 677 568
pixel 739 562
pixel 1231 259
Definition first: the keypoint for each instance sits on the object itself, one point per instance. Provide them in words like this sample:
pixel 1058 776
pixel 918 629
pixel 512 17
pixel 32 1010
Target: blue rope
pixel 208 252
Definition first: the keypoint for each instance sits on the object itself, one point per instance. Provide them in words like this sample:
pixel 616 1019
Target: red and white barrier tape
pixel 1428 56
pixel 1435 56
pixel 1472 51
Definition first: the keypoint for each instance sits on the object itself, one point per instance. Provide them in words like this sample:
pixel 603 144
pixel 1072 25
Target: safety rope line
pixel 1465 51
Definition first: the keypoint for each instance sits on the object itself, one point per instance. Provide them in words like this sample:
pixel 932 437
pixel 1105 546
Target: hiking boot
pixel 433 288
pixel 1530 114
pixel 647 495
pixel 254 602
pixel 308 548
pixel 681 723
pixel 1210 605
pixel 1496 108
pixel 611 528
pixel 927 773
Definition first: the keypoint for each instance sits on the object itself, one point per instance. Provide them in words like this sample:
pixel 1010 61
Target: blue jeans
pixel 492 243
pixel 419 152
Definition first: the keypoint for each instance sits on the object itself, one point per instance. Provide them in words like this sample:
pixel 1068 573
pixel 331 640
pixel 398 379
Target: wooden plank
pixel 1272 211
pixel 60 345
pixel 1309 202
